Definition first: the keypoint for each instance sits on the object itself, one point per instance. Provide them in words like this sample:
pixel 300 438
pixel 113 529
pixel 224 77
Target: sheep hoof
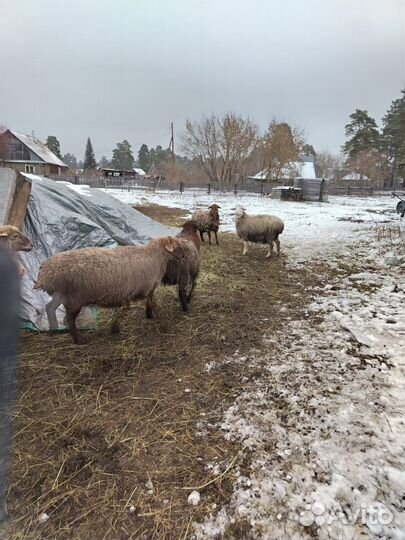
pixel 80 340
pixel 115 329
pixel 52 331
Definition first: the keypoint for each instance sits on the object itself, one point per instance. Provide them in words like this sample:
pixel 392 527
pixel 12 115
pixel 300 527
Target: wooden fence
pixel 245 186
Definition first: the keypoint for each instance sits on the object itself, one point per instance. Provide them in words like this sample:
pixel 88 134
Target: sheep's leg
pixel 245 248
pixel 216 238
pixel 270 250
pixel 183 298
pixel 117 313
pixel 209 237
pixel 183 282
pixel 278 247
pixel 149 305
pixel 50 309
pixel 71 316
pixel 202 236
pixel 115 325
pixel 190 294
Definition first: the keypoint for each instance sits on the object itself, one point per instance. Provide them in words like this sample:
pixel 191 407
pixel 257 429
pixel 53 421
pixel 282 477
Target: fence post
pixel 236 189
pixel 209 189
pixel 321 190
pixel 348 190
pixel 262 190
pixel 181 187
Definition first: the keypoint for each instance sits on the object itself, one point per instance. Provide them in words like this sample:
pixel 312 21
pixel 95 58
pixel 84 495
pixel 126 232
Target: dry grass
pixel 390 237
pixel 112 425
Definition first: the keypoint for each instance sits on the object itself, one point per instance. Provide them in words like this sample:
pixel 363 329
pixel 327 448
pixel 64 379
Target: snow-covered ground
pixel 323 426
pixel 324 423
pixel 312 229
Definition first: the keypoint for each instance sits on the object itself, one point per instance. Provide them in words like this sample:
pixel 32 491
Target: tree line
pixel 373 153
pixel 148 159
pixel 221 149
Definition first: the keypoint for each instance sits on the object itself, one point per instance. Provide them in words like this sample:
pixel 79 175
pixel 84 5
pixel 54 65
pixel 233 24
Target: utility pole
pixel 171 149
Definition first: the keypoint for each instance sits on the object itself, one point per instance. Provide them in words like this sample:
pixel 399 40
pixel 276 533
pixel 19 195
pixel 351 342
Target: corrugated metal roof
pixel 39 149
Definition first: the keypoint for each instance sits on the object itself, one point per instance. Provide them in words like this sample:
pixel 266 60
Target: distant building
pixel 304 168
pixel 27 154
pixel 355 177
pixel 109 172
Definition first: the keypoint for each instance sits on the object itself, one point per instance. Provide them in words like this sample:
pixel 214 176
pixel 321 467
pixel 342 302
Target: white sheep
pixel 260 229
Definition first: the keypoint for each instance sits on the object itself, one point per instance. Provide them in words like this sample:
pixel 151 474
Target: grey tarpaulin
pixel 63 216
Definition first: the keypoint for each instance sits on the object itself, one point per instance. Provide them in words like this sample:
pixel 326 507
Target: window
pixel 30 169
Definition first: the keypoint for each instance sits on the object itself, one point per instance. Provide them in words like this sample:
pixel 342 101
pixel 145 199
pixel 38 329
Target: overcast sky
pixel 124 69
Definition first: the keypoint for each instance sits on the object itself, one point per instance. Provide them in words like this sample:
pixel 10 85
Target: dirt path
pixel 109 435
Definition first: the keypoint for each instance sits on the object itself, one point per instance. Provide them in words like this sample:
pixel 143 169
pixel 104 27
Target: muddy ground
pixel 106 434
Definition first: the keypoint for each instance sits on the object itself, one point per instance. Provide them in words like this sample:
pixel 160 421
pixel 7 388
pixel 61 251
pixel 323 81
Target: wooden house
pixel 25 153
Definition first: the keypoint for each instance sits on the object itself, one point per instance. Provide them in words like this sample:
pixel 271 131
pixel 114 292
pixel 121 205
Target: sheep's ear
pixel 169 245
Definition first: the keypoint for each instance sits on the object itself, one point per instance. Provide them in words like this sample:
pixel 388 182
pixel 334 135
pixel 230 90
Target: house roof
pixel 355 176
pixel 139 171
pixel 305 168
pixel 38 148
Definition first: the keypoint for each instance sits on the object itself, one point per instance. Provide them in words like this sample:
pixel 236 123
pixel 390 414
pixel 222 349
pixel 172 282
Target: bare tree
pixel 280 149
pixel 220 146
pixel 238 138
pixel 328 165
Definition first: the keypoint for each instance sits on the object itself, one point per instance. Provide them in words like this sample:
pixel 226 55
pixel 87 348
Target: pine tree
pixel 89 158
pixel 161 156
pixel 309 150
pixel 70 160
pixel 123 157
pixel 144 158
pixel 103 163
pixel 362 133
pixel 393 136
pixel 54 146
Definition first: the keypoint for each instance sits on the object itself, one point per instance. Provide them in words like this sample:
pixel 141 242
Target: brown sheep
pixel 109 278
pixel 183 269
pixel 13 240
pixel 208 221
